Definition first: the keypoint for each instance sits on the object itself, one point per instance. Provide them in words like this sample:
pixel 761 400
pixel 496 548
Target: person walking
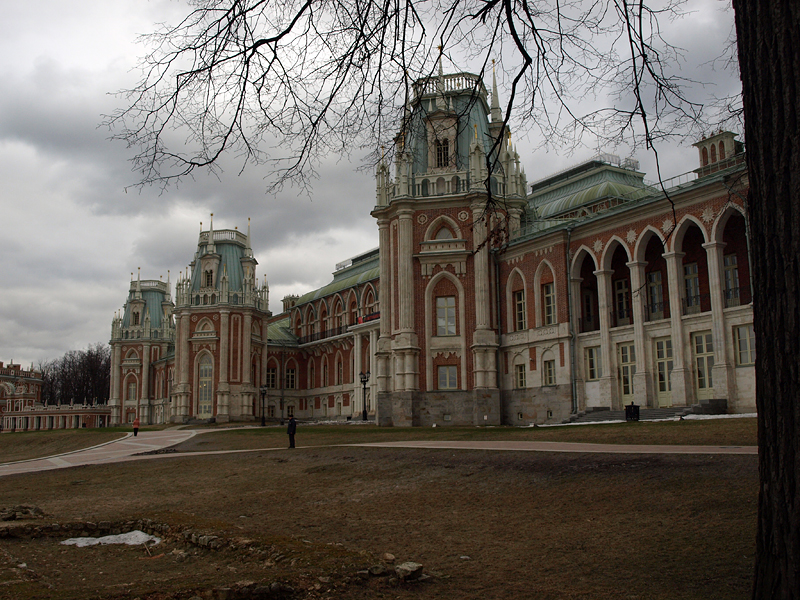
pixel 136 427
pixel 291 429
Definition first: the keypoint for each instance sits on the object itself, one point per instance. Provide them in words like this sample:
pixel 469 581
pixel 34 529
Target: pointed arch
pixel 718 229
pixel 203 403
pixel 438 223
pixel 610 248
pixel 577 261
pixel 643 239
pixel 456 342
pixel 683 226
pixel 546 295
pixel 516 285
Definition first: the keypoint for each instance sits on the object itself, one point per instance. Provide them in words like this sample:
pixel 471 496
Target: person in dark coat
pixel 291 429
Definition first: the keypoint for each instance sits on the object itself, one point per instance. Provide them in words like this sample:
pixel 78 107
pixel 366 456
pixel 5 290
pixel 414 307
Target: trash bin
pixel 632 412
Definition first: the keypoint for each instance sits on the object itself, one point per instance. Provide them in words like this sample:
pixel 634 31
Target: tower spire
pixel 497 114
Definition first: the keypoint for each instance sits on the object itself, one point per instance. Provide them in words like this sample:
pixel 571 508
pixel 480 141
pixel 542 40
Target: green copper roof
pixel 280 331
pixel 365 268
pixel 586 185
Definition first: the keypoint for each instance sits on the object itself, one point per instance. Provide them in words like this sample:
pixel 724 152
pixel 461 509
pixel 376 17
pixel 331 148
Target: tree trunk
pixel 768 37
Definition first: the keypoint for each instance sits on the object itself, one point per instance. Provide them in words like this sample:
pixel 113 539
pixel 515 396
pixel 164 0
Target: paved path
pixel 568 447
pixel 127 448
pixel 114 451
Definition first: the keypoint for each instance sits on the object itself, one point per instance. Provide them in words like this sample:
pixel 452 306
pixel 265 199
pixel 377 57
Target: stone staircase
pixel 602 414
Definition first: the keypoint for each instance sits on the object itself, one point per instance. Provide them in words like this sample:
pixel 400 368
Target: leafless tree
pixel 285 83
pixel 77 377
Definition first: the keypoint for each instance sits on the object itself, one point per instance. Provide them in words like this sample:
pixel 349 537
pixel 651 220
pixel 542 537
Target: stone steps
pixel 603 414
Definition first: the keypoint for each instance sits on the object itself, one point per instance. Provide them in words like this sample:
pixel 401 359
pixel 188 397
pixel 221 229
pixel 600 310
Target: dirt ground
pixel 490 525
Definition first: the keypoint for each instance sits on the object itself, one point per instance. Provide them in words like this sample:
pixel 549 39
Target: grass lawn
pixel 713 432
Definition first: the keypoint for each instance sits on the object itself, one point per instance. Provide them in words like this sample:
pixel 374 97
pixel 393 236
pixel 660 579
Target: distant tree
pixel 79 376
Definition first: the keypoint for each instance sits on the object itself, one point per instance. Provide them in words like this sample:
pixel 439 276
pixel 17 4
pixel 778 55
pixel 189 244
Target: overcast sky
pixel 72 235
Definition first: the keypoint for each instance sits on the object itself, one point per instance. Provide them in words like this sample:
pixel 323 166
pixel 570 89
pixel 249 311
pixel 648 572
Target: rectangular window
pixel 519 376
pixel 745 345
pixel 272 378
pixel 339 373
pixel 446 315
pixel 731 273
pixel 549 372
pixel 622 302
pixel 448 377
pixel 691 281
pixel 549 302
pixel 271 410
pixel 131 390
pixel 290 379
pixel 519 311
pixel 442 153
pixel 655 296
pixel 594 366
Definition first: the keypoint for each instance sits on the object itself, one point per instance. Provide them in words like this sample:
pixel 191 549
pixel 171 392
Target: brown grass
pixel 716 432
pixel 534 525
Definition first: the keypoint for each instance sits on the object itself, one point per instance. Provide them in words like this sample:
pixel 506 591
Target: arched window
pixel 209 278
pixel 205 387
pixel 722 150
pixel 131 390
pixel 713 153
pixel 444 234
pixel 705 156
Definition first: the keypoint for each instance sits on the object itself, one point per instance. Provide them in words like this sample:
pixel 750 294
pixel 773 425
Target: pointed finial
pixel 497 114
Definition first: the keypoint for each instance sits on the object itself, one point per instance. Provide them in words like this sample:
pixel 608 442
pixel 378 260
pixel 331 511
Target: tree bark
pixel 768 37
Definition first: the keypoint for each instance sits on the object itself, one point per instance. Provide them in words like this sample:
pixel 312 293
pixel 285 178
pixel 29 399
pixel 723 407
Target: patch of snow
pixel 132 538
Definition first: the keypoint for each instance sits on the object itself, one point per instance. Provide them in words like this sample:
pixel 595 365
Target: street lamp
pixel 364 380
pixel 263 390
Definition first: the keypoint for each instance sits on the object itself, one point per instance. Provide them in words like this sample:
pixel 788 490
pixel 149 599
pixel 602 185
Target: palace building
pixel 488 301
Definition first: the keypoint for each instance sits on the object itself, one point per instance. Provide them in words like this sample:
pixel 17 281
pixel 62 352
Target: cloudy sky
pixel 71 233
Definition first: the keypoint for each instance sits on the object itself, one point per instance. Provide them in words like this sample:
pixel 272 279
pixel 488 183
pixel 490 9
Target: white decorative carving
pixel 598 246
pixel 666 225
pixel 631 238
pixel 216 317
pixel 463 216
pixel 708 215
pixel 422 219
pixel 194 318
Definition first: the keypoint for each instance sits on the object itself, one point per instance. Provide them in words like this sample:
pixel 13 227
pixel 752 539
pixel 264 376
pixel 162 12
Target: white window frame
pixel 549 303
pixel 520 321
pixel 448 377
pixel 594 363
pixel 549 372
pixel 745 339
pixel 520 377
pixel 445 316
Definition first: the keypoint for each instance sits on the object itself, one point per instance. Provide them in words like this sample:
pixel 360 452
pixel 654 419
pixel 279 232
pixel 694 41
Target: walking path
pixel 114 451
pixel 568 447
pixel 127 449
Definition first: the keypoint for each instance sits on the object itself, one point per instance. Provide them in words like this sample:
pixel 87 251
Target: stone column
pixel 722 372
pixel 608 383
pixel 484 343
pixel 381 373
pixel 223 390
pixel 247 384
pixel 358 368
pixel 642 380
pixel 681 378
pixel 185 395
pixel 405 264
pixel 143 403
pixel 115 402
pixel 576 317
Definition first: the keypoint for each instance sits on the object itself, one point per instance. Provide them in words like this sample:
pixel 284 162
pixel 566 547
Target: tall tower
pixel 142 337
pixel 220 322
pixel 457 190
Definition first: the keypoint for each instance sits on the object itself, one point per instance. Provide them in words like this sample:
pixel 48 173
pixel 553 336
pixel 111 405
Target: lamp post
pixel 364 380
pixel 263 390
